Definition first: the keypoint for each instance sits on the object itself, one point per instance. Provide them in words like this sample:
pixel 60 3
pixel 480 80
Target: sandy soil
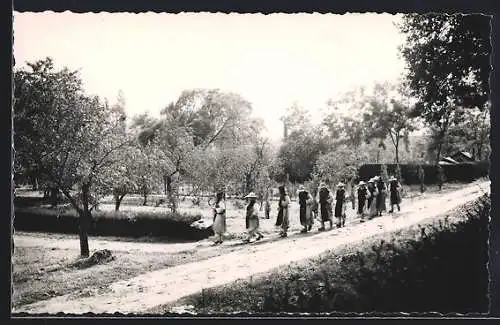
pixel 234 261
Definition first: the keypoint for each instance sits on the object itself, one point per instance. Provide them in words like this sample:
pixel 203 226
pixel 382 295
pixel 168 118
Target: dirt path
pixel 163 286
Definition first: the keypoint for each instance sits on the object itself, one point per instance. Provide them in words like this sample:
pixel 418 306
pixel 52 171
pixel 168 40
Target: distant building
pixel 463 156
pixel 457 158
pixel 448 161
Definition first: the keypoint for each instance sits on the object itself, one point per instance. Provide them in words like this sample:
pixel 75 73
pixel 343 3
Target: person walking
pixel 340 205
pixel 267 206
pixel 219 222
pixel 315 205
pixel 363 195
pixel 325 206
pixel 395 194
pixel 372 199
pixel 421 178
pixel 305 209
pixel 382 194
pixel 283 205
pixel 279 218
pixel 352 194
pixel 252 217
pixel 441 176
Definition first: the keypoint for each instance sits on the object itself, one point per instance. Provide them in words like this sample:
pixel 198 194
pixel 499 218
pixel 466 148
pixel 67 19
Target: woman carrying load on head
pixel 325 200
pixel 279 219
pixel 340 204
pixel 252 218
pixel 283 205
pixel 352 195
pixel 382 193
pixel 363 195
pixel 372 200
pixel 395 193
pixel 267 205
pixel 219 210
pixel 305 210
pixel 315 204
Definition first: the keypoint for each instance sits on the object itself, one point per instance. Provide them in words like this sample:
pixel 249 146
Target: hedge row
pixel 463 172
pixel 111 223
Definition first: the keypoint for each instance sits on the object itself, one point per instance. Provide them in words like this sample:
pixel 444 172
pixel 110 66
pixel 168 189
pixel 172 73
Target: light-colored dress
pixel 285 204
pixel 373 204
pixel 253 220
pixel 219 225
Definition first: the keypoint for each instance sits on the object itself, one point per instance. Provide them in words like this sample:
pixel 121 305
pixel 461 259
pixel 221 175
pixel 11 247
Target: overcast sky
pixel 271 60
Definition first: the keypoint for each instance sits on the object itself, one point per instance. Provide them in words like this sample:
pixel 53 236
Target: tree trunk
pixel 54 193
pixel 479 151
pixel 85 218
pixel 248 183
pixel 438 155
pixel 83 233
pixel 118 201
pixel 397 152
pixel 170 194
pixel 145 196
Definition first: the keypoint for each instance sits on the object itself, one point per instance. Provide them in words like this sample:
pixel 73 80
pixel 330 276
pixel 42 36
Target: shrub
pixel 155 222
pixel 464 172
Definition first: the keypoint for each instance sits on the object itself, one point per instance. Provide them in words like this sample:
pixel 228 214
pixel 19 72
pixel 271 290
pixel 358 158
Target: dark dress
pixel 362 194
pixel 303 206
pixel 339 203
pixel 380 200
pixel 279 220
pixel 395 196
pixel 324 204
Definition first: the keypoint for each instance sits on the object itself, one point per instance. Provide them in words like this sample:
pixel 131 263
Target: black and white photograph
pixel 196 163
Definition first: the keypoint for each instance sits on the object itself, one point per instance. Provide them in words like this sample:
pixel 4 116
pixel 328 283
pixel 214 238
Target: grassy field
pixel 438 267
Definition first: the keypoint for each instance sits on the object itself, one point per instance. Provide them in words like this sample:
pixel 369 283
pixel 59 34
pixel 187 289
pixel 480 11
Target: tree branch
pixel 216 134
pixel 98 164
pixel 71 199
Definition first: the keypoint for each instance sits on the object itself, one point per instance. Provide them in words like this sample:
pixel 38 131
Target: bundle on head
pixel 220 196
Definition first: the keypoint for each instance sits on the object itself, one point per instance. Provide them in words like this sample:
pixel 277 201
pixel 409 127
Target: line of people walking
pixel 323 205
pixel 372 197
